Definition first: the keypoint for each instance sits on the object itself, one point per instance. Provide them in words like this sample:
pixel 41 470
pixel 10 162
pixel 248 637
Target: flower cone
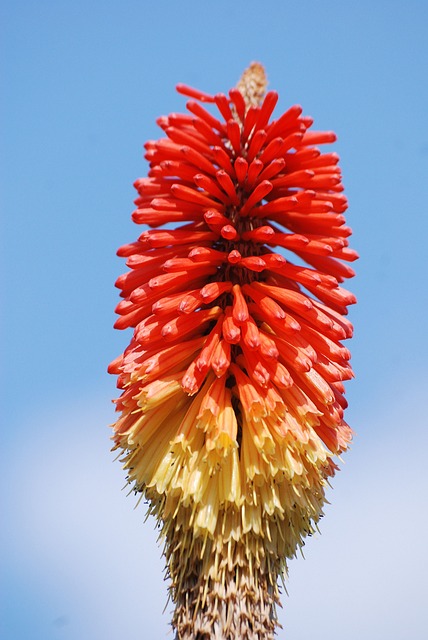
pixel 232 386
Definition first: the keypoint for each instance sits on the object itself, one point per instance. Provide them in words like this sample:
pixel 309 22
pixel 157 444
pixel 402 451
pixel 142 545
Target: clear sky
pixel 82 85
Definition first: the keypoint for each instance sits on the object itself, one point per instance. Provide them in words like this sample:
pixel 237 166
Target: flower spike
pixel 231 413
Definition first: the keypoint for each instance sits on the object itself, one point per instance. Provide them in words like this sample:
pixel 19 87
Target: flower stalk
pixel 232 386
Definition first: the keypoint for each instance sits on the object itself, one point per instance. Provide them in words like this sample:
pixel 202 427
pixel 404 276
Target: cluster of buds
pixel 233 384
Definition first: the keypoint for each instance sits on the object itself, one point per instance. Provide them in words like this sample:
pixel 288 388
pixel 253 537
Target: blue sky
pixel 82 86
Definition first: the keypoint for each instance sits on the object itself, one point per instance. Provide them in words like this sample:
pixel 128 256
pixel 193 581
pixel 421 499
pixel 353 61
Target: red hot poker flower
pixel 233 396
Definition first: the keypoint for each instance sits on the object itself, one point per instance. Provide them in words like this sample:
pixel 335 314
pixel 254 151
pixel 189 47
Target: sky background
pixel 82 85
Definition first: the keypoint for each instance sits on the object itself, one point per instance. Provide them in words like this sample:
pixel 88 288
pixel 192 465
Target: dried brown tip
pixel 253 84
